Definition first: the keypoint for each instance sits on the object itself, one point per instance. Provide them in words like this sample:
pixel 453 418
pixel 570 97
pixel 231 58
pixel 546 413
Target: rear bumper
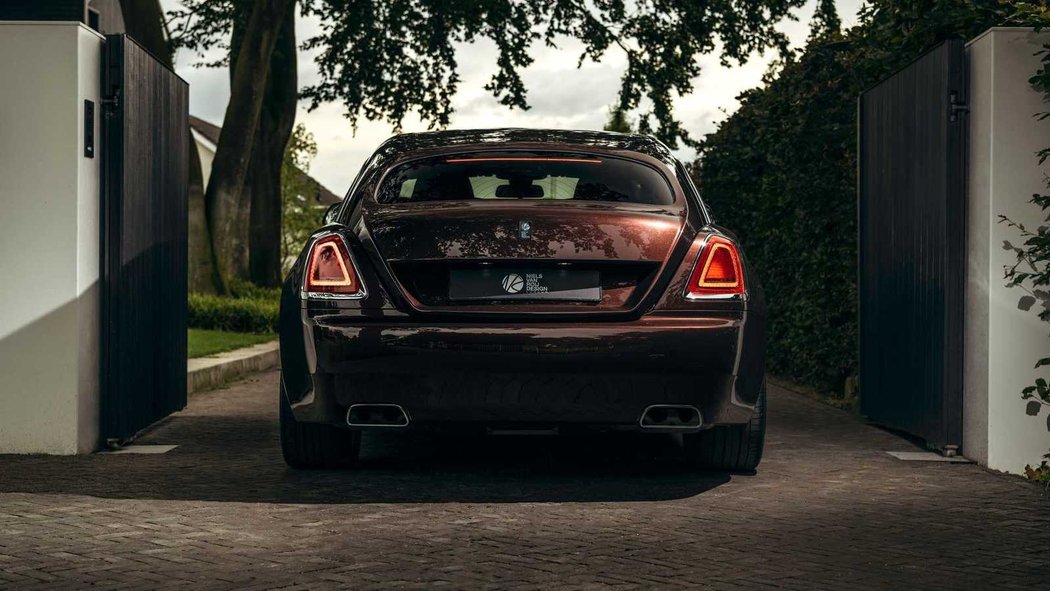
pixel 598 374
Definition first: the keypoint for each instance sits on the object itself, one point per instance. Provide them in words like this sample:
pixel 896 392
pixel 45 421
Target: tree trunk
pixel 275 127
pixel 227 202
pixel 144 22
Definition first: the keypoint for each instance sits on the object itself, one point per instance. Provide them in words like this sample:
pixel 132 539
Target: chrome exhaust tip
pixel 671 417
pixel 376 415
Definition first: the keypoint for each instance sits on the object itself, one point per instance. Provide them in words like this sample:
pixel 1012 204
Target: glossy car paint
pixel 555 363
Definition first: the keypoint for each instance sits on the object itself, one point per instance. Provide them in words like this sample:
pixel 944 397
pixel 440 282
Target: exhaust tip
pixel 376 415
pixel 671 417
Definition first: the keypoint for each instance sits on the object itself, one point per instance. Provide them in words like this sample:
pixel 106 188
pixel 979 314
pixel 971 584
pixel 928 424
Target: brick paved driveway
pixel 828 509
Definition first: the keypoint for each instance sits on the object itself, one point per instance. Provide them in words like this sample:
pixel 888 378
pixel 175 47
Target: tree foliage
pixel 618 121
pixel 299 210
pixel 781 171
pixel 203 25
pixel 384 60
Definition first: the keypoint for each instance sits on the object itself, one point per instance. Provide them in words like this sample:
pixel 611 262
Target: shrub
pixel 247 290
pixel 1040 473
pixel 257 315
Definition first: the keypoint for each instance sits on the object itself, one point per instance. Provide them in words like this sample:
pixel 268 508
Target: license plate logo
pixel 513 283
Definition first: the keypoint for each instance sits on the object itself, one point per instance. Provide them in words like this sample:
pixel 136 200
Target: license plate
pixel 525 284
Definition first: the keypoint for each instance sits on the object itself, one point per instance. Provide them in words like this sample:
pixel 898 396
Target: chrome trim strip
pixel 408 419
pixel 699 417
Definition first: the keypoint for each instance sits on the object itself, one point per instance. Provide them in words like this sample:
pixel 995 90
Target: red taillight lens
pixel 331 270
pixel 718 271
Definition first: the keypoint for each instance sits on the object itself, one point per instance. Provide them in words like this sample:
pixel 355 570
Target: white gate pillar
pixel 1002 342
pixel 49 238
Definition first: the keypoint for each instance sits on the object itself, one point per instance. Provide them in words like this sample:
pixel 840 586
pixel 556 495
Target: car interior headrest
pixel 519 191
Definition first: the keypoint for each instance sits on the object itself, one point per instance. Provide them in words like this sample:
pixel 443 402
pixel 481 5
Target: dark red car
pixel 523 279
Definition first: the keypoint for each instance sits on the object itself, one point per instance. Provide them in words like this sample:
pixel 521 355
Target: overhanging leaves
pixel 383 60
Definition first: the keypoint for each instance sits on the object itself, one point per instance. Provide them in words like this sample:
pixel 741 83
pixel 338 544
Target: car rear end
pixel 530 286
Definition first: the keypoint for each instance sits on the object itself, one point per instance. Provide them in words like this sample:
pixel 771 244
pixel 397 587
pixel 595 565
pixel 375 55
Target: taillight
pixel 330 270
pixel 718 272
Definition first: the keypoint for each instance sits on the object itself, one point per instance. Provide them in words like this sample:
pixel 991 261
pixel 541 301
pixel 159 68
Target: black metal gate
pixel 912 247
pixel 144 206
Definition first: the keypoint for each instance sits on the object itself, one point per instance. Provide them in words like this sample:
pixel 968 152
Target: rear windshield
pixel 515 175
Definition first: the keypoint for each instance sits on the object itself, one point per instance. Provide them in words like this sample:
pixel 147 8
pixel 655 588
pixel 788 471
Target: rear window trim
pixel 381 180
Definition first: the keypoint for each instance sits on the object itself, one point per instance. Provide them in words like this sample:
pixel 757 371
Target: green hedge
pixel 248 290
pixel 791 202
pixel 781 172
pixel 256 315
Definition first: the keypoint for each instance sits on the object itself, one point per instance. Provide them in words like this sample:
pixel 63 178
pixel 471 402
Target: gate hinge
pixel 110 102
pixel 956 107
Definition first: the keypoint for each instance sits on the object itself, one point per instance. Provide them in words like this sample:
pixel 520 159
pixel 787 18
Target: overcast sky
pixel 560 95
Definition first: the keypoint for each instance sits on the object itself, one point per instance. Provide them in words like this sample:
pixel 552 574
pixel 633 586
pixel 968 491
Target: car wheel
pixel 733 448
pixel 313 445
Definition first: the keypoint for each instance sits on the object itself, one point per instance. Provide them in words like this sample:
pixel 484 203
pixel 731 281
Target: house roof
pixel 208 130
pixel 211 133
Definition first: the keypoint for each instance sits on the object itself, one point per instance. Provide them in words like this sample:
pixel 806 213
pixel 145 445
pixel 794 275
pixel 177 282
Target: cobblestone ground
pixel 828 509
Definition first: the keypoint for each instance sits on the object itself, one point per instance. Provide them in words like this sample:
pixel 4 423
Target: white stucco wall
pixel 1002 342
pixel 206 149
pixel 49 239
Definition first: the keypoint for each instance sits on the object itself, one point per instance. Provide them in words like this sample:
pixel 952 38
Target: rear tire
pixel 731 448
pixel 315 445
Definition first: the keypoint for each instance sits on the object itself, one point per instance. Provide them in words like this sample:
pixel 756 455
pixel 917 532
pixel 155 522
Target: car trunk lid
pixel 570 257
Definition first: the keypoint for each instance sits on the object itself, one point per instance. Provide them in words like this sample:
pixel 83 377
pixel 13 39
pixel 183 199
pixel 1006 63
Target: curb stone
pixel 207 373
